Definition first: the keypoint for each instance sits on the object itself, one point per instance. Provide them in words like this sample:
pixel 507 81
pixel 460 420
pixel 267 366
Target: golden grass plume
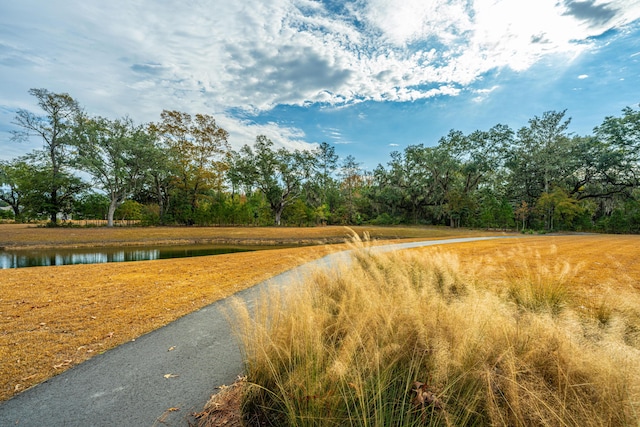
pixel 411 338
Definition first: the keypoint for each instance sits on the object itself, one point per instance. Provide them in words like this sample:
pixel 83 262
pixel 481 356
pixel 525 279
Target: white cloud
pixel 483 94
pixel 244 132
pixel 402 23
pixel 137 58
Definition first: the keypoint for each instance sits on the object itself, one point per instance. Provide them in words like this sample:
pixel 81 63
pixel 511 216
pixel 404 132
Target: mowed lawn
pixel 52 318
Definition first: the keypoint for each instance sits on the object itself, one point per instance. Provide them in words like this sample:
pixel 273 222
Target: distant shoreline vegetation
pixel 182 171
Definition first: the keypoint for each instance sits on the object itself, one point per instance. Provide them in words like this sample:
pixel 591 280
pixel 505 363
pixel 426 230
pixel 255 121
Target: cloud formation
pixel 137 58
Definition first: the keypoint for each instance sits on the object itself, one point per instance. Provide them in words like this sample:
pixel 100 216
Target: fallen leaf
pixel 165 414
pixel 63 364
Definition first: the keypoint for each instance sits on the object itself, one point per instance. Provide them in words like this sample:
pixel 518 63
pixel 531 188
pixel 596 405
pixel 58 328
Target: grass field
pixel 16 236
pixel 52 318
pixel 514 332
pixel 55 317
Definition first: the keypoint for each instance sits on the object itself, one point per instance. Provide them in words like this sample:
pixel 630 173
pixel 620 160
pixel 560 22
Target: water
pixel 50 257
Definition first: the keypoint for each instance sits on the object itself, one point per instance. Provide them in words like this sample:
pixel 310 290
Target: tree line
pixel 182 170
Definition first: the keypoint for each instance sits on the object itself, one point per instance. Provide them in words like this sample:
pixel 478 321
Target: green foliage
pixel 280 175
pixel 129 210
pixel 117 154
pixel 384 219
pixel 558 209
pixel 6 214
pixel 91 206
pixel 541 177
pixel 150 215
pixel 298 213
pixel 196 151
pixel 57 185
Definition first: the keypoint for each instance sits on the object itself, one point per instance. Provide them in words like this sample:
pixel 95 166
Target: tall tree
pixel 351 175
pixel 541 157
pixel 61 111
pixel 16 183
pixel 159 183
pixel 326 165
pixel 618 151
pixel 322 191
pixel 117 154
pixel 198 150
pixel 278 174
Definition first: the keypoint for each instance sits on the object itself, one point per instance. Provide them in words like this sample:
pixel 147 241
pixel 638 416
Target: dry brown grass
pixel 594 267
pixel 52 318
pixel 16 236
pixel 602 258
pixel 533 331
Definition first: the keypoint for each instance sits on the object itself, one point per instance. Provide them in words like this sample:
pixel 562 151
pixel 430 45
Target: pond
pixel 50 257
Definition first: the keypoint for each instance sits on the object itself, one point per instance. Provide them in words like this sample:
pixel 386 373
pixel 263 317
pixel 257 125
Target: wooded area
pixel 181 170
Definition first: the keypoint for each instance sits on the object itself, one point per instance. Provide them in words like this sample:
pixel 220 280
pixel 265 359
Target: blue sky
pixel 369 76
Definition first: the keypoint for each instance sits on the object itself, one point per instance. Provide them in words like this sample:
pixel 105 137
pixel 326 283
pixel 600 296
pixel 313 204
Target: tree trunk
pixel 53 212
pixel 277 211
pixel 113 205
pixel 159 196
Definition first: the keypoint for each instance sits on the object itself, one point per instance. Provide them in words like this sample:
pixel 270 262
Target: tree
pixel 117 154
pixel 443 177
pixel 558 206
pixel 91 206
pixel 158 185
pixel 278 174
pixel 197 149
pixel 617 151
pixel 39 200
pixel 541 157
pixel 13 181
pixel 351 175
pixel 522 213
pixel 326 165
pixel 61 110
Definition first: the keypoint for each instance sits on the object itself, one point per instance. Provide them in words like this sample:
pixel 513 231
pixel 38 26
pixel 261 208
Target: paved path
pixel 126 386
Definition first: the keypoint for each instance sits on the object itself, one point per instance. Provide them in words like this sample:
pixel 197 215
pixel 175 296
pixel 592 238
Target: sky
pixel 367 76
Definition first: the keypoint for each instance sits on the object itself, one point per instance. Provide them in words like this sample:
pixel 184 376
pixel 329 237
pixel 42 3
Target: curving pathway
pixel 142 382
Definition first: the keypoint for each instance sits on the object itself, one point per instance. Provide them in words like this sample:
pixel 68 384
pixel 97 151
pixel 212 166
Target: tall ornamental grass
pixel 408 339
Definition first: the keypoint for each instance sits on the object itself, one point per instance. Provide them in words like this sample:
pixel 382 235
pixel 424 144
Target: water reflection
pixel 51 257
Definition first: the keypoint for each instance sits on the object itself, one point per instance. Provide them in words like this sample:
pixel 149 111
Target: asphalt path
pixel 163 377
